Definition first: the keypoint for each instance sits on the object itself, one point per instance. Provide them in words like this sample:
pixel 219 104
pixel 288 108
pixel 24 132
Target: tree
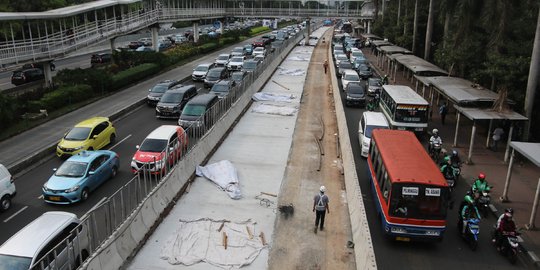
pixel 532 83
pixel 429 30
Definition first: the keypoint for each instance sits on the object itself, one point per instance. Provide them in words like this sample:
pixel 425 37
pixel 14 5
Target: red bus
pixel 410 193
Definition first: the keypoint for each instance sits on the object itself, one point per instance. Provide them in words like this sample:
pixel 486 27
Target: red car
pixel 160 150
pixel 258 43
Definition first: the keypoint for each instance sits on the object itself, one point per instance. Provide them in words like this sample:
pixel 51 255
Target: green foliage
pixel 61 97
pixel 8 110
pixel 127 59
pixel 260 29
pixel 134 74
pixel 98 79
pixel 208 47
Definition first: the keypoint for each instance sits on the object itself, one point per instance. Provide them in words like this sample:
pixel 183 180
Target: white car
pixel 349 76
pixel 341 57
pixel 199 73
pixel 236 63
pixel 369 122
pixel 355 54
pixel 7 188
pixel 222 60
pixel 259 51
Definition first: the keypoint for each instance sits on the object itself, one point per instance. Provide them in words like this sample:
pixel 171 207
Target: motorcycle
pixel 435 151
pixel 483 200
pixel 472 232
pixel 456 167
pixel 509 246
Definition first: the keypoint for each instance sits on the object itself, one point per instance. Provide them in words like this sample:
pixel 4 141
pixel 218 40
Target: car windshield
pixel 214 73
pixel 159 88
pixel 153 145
pixel 72 169
pixel 363 68
pixel 193 110
pixel 369 130
pixel 223 57
pixel 351 77
pixel 259 49
pixel 237 76
pixel 250 65
pixel 248 47
pixel 237 59
pixel 14 262
pixel 374 82
pixel 78 134
pixel 341 57
pixel 345 65
pixel 238 50
pixel 357 54
pixel 201 68
pixel 220 88
pixel 171 97
pixel 355 89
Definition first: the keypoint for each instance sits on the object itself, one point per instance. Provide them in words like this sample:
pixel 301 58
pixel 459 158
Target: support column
pixel 308 26
pixel 155 45
pixel 489 132
pixel 48 74
pixel 507 152
pixel 195 31
pixel 473 132
pixel 369 27
pixel 504 197
pixel 112 42
pixel 457 129
pixel 535 207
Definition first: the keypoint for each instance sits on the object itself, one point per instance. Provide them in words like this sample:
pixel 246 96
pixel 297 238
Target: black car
pixel 173 101
pixel 365 71
pixel 158 90
pixel 214 75
pixel 356 94
pixel 222 88
pixel 238 77
pixel 100 58
pixel 23 76
pixel 39 65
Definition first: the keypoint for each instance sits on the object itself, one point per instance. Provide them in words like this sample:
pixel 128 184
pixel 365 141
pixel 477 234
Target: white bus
pixel 404 108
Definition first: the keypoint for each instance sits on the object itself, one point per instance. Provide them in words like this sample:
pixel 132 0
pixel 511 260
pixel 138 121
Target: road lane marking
pixel 40 197
pixel 116 144
pixel 16 213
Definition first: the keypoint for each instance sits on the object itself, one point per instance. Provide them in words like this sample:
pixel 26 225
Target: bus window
pixel 386 187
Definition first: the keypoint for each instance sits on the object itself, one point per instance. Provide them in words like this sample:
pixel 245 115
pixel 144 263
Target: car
pixel 358 61
pixel 250 65
pixel 135 44
pixel 340 58
pixel 157 91
pixel 343 66
pixel 161 148
pixel 356 94
pixel 214 75
pixel 23 76
pixel 355 54
pixel 258 43
pixel 276 44
pixel 192 115
pixel 374 86
pixel 222 60
pixel 91 134
pixel 248 48
pixel 238 51
pixel 144 49
pixel 100 59
pixel 259 51
pixel 79 175
pixel 365 71
pixel 259 58
pixel 7 188
pixel 173 101
pixel 52 66
pixel 222 88
pixel 238 77
pixel 236 63
pixel 368 122
pixel 349 76
pixel 312 41
pixel 199 72
pixel 54 240
pixel 146 41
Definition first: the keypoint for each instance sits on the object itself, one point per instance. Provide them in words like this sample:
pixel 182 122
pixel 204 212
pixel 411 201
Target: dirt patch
pixel 295 244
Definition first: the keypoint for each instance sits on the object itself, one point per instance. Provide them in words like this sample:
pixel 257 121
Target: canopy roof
pixel 393 49
pixel 418 65
pixel 530 150
pixel 489 114
pixel 461 91
pixel 378 43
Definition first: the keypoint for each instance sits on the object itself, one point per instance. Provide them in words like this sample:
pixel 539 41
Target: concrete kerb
pixel 143 219
pixel 364 253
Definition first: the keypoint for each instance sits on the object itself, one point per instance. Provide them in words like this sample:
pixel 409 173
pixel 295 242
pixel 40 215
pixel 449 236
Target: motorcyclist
pixel 468 211
pixel 434 139
pixel 446 168
pixel 454 158
pixel 505 226
pixel 480 184
pixel 385 79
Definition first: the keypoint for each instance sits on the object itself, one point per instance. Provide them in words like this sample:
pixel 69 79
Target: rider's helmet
pixel 481 177
pixel 454 153
pixel 435 132
pixel 468 199
pixel 447 159
pixel 508 212
pixel 322 189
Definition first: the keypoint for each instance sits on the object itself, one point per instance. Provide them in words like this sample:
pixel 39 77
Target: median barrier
pixel 125 244
pixel 143 219
pixel 363 246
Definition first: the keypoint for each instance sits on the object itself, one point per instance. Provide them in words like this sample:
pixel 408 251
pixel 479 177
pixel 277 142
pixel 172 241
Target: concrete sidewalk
pixel 525 175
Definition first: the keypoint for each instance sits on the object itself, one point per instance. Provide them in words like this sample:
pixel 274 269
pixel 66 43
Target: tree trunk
pixel 532 82
pixel 405 21
pixel 429 30
pixel 415 27
pixel 376 4
pixel 398 11
pixel 446 28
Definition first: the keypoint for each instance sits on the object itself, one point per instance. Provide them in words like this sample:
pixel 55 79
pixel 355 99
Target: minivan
pixel 214 75
pixel 173 101
pixel 7 188
pixel 192 115
pixel 56 231
pixel 369 122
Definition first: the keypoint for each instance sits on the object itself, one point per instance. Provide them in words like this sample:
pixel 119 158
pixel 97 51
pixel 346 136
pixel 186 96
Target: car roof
pixel 28 241
pixel 92 122
pixel 86 156
pixel 202 99
pixel 225 54
pixel 224 82
pixel 375 119
pixel 181 89
pixel 217 68
pixel 350 71
pixel 163 132
pixel 205 64
pixel 166 82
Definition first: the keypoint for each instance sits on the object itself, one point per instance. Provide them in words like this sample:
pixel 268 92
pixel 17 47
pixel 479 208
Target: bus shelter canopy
pixel 529 150
pixel 419 66
pixel 378 43
pixel 370 36
pixel 462 92
pixel 489 114
pixel 393 49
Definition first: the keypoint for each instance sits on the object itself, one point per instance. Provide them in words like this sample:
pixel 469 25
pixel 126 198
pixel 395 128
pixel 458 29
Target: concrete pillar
pixel 531 225
pixel 154 31
pixel 489 132
pixel 504 197
pixel 507 152
pixel 112 42
pixel 473 132
pixel 48 74
pixel 308 25
pixel 195 31
pixel 457 129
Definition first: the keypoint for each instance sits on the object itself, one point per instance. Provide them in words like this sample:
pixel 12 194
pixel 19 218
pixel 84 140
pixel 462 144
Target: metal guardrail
pixel 102 220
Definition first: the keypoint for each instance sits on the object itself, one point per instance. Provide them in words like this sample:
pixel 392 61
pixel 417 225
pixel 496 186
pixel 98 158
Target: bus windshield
pixel 411 114
pixel 415 201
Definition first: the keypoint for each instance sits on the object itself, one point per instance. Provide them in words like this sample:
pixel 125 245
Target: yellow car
pixel 91 134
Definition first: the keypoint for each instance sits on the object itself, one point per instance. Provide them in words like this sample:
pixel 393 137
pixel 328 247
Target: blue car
pixel 79 175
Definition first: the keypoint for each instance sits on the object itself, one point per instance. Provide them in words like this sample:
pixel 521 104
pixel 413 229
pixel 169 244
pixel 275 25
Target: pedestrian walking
pixel 498 133
pixel 320 207
pixel 325 65
pixel 443 110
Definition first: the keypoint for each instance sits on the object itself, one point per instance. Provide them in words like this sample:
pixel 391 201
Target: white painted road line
pixel 16 213
pixel 116 144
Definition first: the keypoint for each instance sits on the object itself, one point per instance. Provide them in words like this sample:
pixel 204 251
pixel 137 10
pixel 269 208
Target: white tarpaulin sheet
pixel 291 72
pixel 264 96
pixel 298 58
pixel 203 241
pixel 223 174
pixel 274 109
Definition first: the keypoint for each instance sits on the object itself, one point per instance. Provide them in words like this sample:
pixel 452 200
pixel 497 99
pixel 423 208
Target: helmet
pixel 508 212
pixel 435 131
pixel 454 153
pixel 447 158
pixel 322 189
pixel 468 199
pixel 482 176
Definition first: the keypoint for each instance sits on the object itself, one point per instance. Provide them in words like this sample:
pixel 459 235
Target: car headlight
pixel 349 97
pixel 365 144
pixel 45 188
pixel 398 230
pixel 73 189
pixel 78 148
pixel 157 109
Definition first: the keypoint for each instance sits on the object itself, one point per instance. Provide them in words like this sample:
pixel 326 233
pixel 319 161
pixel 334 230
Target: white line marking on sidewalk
pixel 16 213
pixel 116 144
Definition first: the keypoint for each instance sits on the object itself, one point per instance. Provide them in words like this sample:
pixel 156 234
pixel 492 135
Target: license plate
pixel 404 239
pixel 54 198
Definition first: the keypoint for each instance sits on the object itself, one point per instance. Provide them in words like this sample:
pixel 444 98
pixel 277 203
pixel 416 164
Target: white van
pixel 369 122
pixel 54 240
pixel 7 188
